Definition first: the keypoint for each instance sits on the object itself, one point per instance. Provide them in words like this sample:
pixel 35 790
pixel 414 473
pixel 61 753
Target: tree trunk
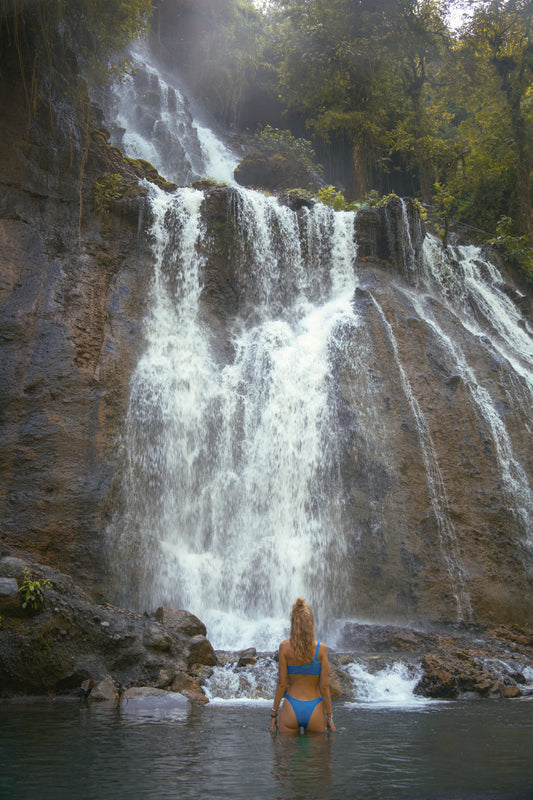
pixel 359 177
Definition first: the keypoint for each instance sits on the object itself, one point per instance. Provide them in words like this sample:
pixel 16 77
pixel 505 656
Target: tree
pixel 334 73
pixel 417 42
pixel 497 45
pixel 220 49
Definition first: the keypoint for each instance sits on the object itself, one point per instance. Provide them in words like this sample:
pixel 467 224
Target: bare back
pixel 304 687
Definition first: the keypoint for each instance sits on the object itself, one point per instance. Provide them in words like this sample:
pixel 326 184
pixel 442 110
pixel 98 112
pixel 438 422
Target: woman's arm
pixel 323 685
pixel 281 687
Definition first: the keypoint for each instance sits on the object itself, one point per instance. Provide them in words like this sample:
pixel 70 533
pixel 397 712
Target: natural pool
pixel 478 750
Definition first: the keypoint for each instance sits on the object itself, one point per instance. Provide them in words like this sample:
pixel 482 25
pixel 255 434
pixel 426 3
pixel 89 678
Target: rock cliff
pixel 72 288
pixel 74 281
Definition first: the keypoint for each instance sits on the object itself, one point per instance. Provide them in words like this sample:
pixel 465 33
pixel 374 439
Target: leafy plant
pixel 275 140
pixel 374 198
pixel 334 198
pixel 443 201
pixel 516 248
pixel 31 592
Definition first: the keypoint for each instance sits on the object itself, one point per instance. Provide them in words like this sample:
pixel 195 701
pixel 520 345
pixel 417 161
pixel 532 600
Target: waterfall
pixel 155 119
pixel 224 465
pixel 502 328
pixel 283 443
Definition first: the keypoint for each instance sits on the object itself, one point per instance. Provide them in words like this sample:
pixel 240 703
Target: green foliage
pixel 208 183
pixel 273 140
pixel 332 197
pixel 111 186
pixel 31 592
pixel 514 247
pixel 442 203
pixel 374 198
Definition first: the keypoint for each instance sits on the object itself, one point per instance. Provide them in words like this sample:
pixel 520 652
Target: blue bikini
pixel 304 708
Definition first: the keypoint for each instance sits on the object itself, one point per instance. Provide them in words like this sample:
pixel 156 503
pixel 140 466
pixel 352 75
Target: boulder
pixel 274 171
pixel 201 652
pixel 165 678
pixel 189 688
pixel 510 691
pixel 247 657
pixel 105 691
pixel 152 703
pixel 138 692
pixel 340 684
pixel 156 638
pixel 9 596
pixel 180 621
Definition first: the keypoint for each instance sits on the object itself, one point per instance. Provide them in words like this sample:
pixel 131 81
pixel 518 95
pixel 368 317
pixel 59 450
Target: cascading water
pixel 511 340
pixel 155 120
pixel 224 466
pixel 259 445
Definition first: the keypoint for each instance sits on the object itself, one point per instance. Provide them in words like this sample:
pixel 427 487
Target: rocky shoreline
pixel 73 646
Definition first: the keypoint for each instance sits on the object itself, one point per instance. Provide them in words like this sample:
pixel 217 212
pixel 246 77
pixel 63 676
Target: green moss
pixel 208 183
pixel 302 196
pixel 111 186
pixel 117 151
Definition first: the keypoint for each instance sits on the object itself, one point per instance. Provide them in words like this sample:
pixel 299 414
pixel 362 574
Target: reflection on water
pixel 302 764
pixel 449 751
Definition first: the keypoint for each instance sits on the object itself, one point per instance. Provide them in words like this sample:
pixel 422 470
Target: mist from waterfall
pixel 156 119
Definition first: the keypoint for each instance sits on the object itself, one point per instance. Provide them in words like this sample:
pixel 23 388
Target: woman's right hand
pixel 330 724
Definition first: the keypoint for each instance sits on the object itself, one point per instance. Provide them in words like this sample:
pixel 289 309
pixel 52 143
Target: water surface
pixel 474 750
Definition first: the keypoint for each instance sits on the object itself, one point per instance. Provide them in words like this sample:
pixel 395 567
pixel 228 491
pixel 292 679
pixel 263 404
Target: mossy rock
pixel 205 184
pixel 273 172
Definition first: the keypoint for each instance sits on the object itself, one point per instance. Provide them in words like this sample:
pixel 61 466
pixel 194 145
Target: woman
pixel 303 678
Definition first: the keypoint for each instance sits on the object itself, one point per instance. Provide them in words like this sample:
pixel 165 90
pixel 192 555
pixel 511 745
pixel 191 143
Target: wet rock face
pixel 432 529
pixel 72 290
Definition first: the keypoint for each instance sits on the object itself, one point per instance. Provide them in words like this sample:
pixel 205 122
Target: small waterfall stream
pixel 155 119
pixel 235 490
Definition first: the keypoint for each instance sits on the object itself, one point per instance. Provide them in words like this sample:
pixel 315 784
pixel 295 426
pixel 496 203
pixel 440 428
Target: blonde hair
pixel 302 631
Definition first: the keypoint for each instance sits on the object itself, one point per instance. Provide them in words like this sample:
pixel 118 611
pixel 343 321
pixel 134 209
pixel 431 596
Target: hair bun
pixel 300 601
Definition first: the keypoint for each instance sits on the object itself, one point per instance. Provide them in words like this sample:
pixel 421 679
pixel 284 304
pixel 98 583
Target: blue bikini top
pixel 312 668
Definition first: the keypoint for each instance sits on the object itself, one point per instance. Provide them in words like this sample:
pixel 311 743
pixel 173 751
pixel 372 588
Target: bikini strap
pixel 317 649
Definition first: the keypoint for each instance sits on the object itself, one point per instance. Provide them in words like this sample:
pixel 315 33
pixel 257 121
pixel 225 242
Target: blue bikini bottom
pixel 303 709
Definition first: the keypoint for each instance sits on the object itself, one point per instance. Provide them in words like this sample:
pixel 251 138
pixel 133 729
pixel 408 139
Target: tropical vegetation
pixel 389 95
pixel 392 96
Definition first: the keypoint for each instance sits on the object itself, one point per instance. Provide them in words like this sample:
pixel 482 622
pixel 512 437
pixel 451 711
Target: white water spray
pixel 224 464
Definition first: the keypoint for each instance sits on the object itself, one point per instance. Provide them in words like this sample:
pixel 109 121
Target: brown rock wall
pixel 71 295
